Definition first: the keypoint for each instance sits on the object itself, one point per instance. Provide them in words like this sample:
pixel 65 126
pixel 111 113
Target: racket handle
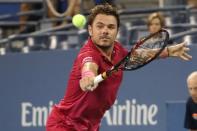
pixel 98 79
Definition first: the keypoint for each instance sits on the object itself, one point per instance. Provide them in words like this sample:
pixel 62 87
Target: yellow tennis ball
pixel 79 21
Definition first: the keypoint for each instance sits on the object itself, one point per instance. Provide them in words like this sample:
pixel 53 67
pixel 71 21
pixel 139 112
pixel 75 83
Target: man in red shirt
pixel 82 108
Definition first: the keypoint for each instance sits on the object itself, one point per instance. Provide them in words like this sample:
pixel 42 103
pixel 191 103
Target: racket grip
pixel 98 79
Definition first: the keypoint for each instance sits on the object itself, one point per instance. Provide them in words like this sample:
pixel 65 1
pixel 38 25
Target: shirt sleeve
pixel 88 56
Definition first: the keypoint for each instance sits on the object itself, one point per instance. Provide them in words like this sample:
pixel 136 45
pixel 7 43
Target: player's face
pixel 155 25
pixel 103 30
pixel 192 87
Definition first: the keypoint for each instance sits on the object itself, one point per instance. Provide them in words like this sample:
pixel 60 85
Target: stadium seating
pixel 179 18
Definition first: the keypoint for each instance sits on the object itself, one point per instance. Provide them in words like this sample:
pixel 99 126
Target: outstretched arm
pixel 180 51
pixel 88 72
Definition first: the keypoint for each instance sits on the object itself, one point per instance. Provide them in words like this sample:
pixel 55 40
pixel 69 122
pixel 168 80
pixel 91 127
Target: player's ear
pixel 90 30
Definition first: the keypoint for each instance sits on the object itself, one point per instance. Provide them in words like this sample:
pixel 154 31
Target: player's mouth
pixel 104 38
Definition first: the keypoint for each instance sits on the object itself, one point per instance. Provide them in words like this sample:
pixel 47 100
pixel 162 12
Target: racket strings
pixel 135 61
pixel 141 57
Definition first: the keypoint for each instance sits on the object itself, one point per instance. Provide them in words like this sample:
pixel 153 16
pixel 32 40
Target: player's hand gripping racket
pixel 137 57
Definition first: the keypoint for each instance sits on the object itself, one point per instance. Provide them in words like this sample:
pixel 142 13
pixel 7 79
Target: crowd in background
pixel 58 13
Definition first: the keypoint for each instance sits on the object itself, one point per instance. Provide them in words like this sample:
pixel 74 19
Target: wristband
pixel 164 53
pixel 168 51
pixel 87 73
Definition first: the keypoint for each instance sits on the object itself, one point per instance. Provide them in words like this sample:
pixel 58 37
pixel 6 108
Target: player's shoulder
pixel 120 48
pixel 88 53
pixel 118 44
pixel 88 48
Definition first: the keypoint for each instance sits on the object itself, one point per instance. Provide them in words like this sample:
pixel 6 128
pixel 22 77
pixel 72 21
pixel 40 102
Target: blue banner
pixel 32 83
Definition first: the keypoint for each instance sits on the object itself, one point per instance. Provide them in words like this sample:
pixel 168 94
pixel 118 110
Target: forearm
pixel 178 51
pixel 88 72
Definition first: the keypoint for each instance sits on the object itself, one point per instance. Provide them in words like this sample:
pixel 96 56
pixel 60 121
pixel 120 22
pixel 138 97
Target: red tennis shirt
pixel 88 108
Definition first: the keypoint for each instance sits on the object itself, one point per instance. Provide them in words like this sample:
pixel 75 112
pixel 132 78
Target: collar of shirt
pixel 92 45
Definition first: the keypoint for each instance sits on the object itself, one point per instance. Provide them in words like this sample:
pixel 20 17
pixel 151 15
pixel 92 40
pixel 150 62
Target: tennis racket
pixel 135 60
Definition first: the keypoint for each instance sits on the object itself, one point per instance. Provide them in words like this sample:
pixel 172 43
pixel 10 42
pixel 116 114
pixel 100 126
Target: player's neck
pixel 107 52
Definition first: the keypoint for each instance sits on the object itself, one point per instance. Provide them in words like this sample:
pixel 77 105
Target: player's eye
pixel 99 26
pixel 111 27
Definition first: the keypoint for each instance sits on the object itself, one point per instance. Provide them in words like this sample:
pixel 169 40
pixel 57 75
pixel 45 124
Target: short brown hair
pixel 154 16
pixel 106 9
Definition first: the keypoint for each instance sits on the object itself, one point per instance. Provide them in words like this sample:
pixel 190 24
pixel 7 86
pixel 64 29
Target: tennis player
pixel 82 108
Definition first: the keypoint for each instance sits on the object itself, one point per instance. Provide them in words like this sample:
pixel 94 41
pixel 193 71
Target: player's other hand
pixel 180 51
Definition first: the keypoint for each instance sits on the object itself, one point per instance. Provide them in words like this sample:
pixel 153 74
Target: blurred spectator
pixel 63 8
pixel 112 2
pixel 190 121
pixel 56 9
pixel 89 4
pixel 192 3
pixel 155 22
pixel 25 7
